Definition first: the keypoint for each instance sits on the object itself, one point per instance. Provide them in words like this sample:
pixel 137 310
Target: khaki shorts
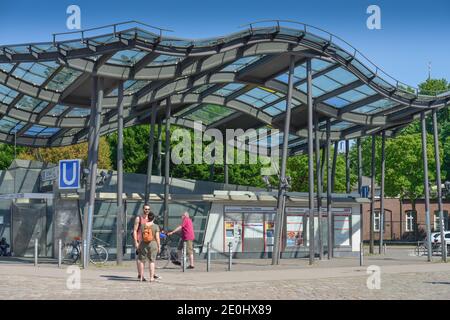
pixel 189 246
pixel 148 251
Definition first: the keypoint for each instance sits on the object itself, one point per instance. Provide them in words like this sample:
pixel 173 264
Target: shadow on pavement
pixel 119 278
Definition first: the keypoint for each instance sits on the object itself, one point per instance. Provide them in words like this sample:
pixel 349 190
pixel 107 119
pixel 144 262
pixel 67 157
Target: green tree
pixel 7 154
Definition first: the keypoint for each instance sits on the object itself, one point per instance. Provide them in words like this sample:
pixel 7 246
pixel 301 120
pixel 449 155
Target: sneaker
pixel 190 267
pixel 157 276
pixel 178 263
pixel 143 279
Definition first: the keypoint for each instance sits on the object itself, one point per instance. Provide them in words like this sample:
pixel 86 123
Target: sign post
pixel 69 174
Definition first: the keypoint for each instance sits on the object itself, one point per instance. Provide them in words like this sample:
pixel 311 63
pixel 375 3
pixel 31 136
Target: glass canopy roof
pixel 236 80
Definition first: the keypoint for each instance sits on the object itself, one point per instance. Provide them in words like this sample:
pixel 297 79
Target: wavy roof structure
pixel 235 81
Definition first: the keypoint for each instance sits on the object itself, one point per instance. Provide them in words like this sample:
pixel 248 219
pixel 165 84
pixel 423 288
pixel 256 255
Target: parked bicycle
pixel 167 254
pixel 71 253
pixel 422 250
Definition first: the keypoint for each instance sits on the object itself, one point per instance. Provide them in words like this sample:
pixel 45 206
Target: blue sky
pixel 413 32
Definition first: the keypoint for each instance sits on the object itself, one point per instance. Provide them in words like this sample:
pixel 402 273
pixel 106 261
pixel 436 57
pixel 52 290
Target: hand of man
pixel 136 244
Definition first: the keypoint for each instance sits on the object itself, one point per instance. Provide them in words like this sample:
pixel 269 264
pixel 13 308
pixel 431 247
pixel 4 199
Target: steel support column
pixel 225 162
pixel 89 162
pixel 437 158
pixel 120 211
pixel 93 172
pixel 159 149
pixel 372 196
pixel 167 165
pixel 151 148
pixel 383 169
pixel 282 186
pixel 425 183
pixel 310 160
pixel 329 210
pixel 361 207
pixel 333 169
pixel 319 184
pixel 347 167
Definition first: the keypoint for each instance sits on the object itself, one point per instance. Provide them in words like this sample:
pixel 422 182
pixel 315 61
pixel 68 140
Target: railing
pixel 353 52
pixel 114 29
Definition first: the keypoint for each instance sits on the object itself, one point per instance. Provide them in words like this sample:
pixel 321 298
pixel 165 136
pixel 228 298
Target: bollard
pixel 384 248
pixel 208 257
pixel 36 252
pixel 85 254
pixel 230 255
pixel 361 254
pixel 59 253
pixel 184 256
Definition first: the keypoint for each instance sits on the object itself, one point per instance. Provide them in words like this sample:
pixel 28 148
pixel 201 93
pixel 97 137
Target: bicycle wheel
pixel 420 250
pixel 70 254
pixel 163 258
pixel 98 254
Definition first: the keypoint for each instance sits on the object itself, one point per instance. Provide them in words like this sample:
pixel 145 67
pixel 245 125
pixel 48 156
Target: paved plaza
pixel 402 275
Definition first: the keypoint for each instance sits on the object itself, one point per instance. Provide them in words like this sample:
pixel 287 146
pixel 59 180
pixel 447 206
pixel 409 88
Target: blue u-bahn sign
pixel 365 191
pixel 69 174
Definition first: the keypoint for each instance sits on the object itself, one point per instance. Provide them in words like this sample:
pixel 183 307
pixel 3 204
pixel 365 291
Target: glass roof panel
pixel 127 57
pixel 242 63
pixel 63 79
pixel 280 107
pixel 8 124
pixel 35 72
pixel 164 59
pixel 341 125
pixel 209 113
pixel 337 102
pixel 57 110
pixel 186 109
pixel 79 112
pixel 316 92
pixel 259 97
pixel 7 95
pixel 31 104
pixel 202 88
pixel 40 131
pixel 229 89
pixel 7 67
pixel 376 106
pixel 341 75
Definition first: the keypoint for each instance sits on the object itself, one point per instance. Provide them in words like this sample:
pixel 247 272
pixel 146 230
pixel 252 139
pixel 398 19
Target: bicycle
pixel 71 252
pixel 166 254
pixel 422 250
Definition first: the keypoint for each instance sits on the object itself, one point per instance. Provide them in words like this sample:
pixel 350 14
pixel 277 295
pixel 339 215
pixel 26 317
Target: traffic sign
pixel 69 174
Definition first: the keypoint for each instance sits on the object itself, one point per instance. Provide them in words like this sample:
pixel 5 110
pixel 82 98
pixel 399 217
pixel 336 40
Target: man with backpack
pixel 137 236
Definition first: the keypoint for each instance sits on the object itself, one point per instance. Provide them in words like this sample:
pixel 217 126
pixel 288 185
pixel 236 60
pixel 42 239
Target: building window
pixel 409 221
pixel 437 224
pixel 376 221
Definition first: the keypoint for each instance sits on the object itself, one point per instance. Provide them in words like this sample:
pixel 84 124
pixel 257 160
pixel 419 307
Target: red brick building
pixel 401 222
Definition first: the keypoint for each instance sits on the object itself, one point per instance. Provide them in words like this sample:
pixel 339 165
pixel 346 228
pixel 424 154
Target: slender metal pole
pixel 59 253
pixel 282 186
pixel 361 208
pixel 35 252
pixel 319 184
pixel 159 150
pixel 225 162
pixel 184 256
pixel 211 166
pixel 372 197
pixel 425 183
pixel 151 148
pixel 120 212
pixel 208 257
pixel 333 169
pixel 383 167
pixel 310 161
pixel 347 167
pixel 329 210
pixel 230 255
pixel 437 158
pixel 167 165
pixel 93 173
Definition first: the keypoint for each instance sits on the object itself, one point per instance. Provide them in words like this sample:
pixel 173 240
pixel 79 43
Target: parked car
pixel 436 238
